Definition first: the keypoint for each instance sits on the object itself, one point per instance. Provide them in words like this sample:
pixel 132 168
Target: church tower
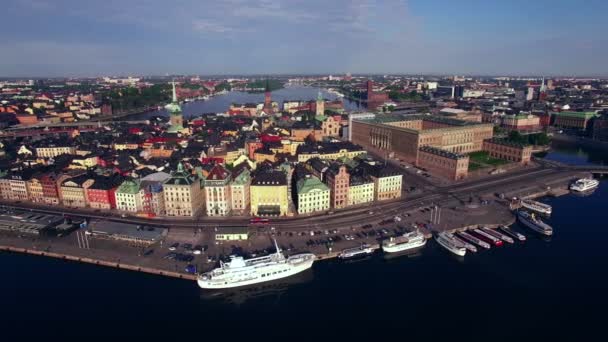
pixel 267 99
pixel 320 107
pixel 176 118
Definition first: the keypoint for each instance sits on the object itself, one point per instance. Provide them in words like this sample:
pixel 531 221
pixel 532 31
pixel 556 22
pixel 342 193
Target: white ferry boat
pixel 242 272
pixel 536 206
pixel 584 184
pixel 449 243
pixel 356 252
pixel 403 243
pixel 534 223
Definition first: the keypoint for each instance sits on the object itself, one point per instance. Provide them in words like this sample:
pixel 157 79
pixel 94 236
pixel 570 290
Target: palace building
pixel 404 135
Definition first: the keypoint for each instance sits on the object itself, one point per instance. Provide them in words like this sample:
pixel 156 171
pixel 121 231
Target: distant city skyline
pixel 438 37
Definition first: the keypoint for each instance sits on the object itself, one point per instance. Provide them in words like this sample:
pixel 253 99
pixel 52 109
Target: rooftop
pixel 506 142
pixel 310 183
pixel 442 153
pixel 585 115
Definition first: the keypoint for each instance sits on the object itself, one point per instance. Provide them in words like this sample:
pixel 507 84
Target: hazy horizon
pixel 69 38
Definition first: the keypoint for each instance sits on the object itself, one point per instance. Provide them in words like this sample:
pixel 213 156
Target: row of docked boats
pixel 461 242
pixel 240 272
pixel 403 243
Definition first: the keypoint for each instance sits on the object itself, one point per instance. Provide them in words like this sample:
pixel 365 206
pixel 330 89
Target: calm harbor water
pixel 543 287
pixel 221 103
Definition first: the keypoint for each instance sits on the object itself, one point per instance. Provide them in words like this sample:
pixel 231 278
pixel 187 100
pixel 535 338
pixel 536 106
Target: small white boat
pixel 584 185
pixel 448 242
pixel 356 252
pixel 536 206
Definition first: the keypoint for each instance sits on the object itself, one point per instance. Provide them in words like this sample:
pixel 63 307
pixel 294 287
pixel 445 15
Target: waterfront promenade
pixel 462 206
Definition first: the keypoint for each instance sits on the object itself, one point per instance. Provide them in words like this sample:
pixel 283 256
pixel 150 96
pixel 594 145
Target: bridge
pixel 595 169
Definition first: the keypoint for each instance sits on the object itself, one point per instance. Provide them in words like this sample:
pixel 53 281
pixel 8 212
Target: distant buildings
pixel 507 150
pixel 405 135
pixel 574 120
pixel 446 164
pixel 521 122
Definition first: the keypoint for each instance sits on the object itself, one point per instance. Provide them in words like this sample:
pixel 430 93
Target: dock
pixel 98 262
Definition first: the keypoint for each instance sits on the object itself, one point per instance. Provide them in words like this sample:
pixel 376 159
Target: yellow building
pixel 268 194
pixel 329 151
pixel 84 162
pixel 53 151
pixel 16 186
pixel 34 190
pixel 313 195
pixel 387 181
pixel 183 194
pixel 360 190
pixel 73 191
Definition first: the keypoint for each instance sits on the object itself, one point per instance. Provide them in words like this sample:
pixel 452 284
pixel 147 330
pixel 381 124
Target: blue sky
pixel 129 37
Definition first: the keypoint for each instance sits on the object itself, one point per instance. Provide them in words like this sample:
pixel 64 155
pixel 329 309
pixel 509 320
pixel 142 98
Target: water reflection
pixel 267 290
pixel 411 254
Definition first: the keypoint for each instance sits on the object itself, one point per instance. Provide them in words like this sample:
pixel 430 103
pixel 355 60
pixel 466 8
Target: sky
pixel 54 38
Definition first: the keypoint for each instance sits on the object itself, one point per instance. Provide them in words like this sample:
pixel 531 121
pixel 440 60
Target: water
pixel 539 288
pixel 221 103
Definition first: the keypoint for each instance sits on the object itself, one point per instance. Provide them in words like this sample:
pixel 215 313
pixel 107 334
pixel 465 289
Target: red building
pixel 267 100
pixel 373 97
pixel 50 192
pixel 338 181
pixel 101 194
pixel 251 146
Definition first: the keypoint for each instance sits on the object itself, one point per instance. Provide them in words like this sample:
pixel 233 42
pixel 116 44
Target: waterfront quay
pixel 172 254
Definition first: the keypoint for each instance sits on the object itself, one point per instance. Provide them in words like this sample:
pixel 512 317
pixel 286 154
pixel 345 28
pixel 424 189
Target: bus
pixel 259 220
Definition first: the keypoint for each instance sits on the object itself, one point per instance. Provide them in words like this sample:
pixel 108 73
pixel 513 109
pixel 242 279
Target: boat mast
pixel 276 246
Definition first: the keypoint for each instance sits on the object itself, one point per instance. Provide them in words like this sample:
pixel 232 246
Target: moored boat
pixel 405 242
pixel 470 247
pixel 489 238
pixel 536 206
pixel 448 242
pixel 514 234
pixel 584 185
pixel 356 252
pixel 474 239
pixel 531 221
pixel 498 235
pixel 242 272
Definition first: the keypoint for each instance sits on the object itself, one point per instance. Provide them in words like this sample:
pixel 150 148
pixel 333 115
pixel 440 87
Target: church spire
pixel 174 93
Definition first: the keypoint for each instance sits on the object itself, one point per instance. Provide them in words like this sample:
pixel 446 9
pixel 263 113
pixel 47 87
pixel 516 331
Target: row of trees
pixel 540 139
pixel 130 98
